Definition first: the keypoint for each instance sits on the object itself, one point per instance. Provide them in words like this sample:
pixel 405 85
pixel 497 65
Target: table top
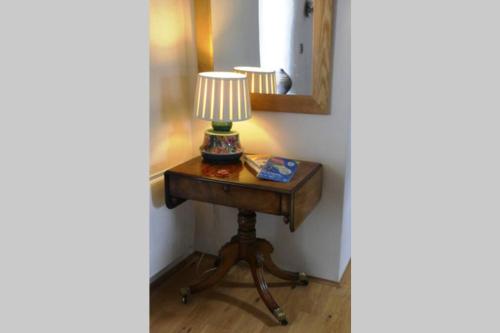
pixel 242 175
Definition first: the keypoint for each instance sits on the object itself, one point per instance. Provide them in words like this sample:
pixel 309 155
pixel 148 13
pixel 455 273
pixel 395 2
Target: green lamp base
pixel 222 126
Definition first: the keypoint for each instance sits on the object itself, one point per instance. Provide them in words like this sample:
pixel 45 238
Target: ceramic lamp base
pixel 221 158
pixel 221 147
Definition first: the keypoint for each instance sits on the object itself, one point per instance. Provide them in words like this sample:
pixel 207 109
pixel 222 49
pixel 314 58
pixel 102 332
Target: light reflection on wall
pixel 166 29
pixel 172 144
pixel 172 74
pixel 258 136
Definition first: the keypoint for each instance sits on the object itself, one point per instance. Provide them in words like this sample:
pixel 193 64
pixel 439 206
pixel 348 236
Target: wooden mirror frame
pixel 323 30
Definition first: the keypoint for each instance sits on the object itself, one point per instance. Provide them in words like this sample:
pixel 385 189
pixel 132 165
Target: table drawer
pixel 223 194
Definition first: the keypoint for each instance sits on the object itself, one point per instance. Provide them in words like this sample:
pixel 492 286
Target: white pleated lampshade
pixel 222 96
pixel 261 81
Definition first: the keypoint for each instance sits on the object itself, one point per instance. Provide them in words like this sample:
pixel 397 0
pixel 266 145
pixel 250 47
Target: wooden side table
pixel 235 185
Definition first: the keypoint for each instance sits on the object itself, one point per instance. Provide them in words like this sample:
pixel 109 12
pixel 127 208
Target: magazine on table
pixel 273 168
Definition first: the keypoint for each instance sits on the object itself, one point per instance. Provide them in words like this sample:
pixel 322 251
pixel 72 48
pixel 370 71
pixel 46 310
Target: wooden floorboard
pixel 235 306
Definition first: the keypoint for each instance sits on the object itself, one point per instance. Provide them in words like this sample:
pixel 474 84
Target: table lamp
pixel 260 80
pixel 222 97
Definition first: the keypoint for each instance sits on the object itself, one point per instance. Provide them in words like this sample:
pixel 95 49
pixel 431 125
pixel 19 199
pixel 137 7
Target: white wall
pixel 317 246
pixel 172 75
pixel 283 28
pixel 235 23
pixel 171 231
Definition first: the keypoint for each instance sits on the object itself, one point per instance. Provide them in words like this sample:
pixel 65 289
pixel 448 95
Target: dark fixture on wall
pixel 308 8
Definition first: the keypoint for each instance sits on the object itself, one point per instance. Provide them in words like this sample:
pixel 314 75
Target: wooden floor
pixel 234 305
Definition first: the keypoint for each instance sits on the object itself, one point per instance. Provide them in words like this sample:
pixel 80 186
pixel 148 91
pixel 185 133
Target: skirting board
pixel 171 269
pixel 166 273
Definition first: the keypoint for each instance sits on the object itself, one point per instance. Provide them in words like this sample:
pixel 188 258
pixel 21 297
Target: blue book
pixel 278 169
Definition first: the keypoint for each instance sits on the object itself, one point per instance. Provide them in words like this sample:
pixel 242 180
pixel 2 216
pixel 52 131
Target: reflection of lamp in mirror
pixel 222 97
pixel 260 81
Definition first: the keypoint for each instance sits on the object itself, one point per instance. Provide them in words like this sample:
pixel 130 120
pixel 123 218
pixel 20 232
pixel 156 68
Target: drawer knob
pixel 226 188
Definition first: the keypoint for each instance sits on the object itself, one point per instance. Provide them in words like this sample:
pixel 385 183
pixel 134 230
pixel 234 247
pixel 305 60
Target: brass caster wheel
pixel 280 315
pixel 303 279
pixel 184 295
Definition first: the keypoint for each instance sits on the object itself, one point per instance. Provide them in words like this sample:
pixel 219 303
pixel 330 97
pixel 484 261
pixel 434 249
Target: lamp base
pixel 222 126
pixel 221 147
pixel 221 158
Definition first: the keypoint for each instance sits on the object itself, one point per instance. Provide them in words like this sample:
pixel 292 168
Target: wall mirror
pixel 284 47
